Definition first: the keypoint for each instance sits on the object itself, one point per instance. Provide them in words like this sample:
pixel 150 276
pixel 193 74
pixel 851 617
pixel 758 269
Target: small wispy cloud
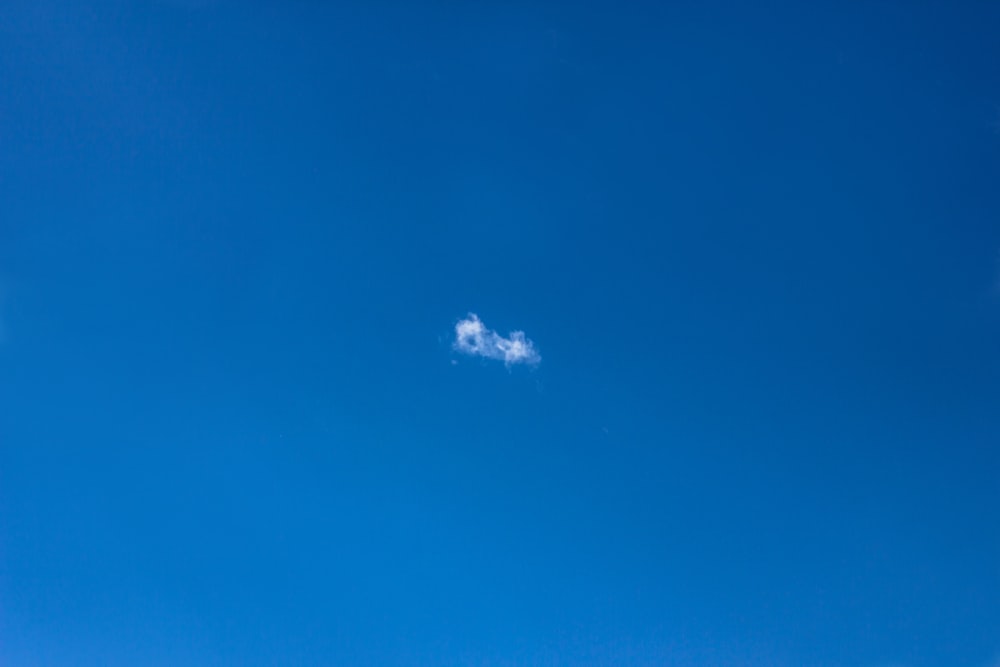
pixel 473 338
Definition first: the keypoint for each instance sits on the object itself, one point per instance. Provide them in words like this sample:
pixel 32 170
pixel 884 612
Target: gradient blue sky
pixel 757 246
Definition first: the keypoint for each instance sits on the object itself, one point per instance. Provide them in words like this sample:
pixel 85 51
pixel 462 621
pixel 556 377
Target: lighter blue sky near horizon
pixel 754 251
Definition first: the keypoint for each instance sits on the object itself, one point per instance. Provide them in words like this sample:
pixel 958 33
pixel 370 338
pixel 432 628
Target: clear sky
pixel 247 415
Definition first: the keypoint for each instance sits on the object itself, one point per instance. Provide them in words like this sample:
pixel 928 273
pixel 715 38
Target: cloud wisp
pixel 473 338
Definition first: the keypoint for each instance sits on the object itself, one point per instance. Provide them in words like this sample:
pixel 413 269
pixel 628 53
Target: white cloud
pixel 472 337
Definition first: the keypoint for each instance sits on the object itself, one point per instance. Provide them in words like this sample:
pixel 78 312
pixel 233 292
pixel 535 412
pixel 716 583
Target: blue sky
pixel 751 416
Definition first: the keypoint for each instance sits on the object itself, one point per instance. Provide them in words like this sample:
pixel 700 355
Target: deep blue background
pixel 757 245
